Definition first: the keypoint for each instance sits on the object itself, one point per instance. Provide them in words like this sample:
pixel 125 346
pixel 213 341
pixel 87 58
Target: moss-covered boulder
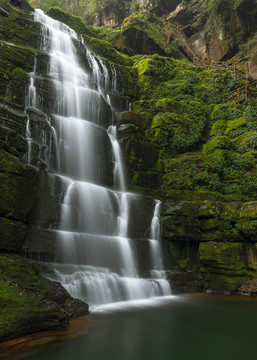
pixel 29 302
pixel 144 34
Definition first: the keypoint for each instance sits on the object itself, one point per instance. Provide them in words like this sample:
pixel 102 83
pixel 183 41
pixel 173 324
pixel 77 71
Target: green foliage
pixel 187 115
pixel 75 7
pixel 181 130
pixel 218 142
pixel 250 113
pixel 235 124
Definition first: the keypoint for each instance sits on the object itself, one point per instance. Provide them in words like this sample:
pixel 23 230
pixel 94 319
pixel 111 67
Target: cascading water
pixel 98 262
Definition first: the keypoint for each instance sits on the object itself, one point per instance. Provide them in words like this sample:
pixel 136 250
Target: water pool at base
pixel 195 327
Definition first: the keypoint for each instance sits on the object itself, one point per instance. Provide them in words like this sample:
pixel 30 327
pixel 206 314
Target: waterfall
pixel 98 263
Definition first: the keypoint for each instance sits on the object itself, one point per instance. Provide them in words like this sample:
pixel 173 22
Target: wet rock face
pixel 215 241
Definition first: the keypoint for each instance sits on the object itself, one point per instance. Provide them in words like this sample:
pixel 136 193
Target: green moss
pixel 218 128
pixel 248 210
pixel 235 124
pixel 151 28
pixel 128 75
pixel 18 27
pixel 223 266
pixel 218 142
pixel 179 131
pixel 210 209
pixel 17 56
pixel 226 112
pixel 25 299
pixel 106 50
pixel 247 228
pixel 229 254
pixel 74 22
pixel 247 141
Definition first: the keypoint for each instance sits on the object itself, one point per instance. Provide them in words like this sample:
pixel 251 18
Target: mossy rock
pixel 179 221
pixel 246 142
pixel 153 70
pixel 138 154
pixel 248 229
pixel 17 187
pixel 181 130
pixel 144 106
pixel 218 142
pixel 106 50
pixel 148 32
pixel 218 128
pixel 248 210
pixel 16 62
pixel 179 174
pixel 145 180
pixel 235 124
pixel 225 112
pixel 30 303
pixel 129 84
pixel 18 28
pixel 141 120
pixel 74 22
pixel 210 209
pixel 225 267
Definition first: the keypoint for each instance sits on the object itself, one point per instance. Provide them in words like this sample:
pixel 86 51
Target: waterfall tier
pixel 96 261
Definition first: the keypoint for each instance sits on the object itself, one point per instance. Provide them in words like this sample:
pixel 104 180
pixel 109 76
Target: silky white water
pixel 99 264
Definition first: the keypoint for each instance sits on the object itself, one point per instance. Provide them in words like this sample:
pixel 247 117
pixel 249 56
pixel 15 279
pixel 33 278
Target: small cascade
pixel 31 100
pixel 155 244
pixel 98 263
pixel 119 178
pixel 29 140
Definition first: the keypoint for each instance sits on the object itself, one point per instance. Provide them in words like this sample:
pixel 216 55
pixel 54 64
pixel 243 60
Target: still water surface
pixel 195 327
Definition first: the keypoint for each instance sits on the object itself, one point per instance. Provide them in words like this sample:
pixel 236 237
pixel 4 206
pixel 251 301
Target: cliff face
pixel 217 29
